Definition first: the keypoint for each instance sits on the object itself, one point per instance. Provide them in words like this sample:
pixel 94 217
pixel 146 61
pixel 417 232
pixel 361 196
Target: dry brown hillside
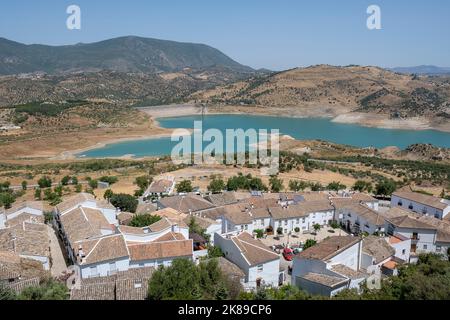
pixel 333 90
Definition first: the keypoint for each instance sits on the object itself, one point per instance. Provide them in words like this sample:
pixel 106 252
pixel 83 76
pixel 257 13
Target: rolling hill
pixel 331 90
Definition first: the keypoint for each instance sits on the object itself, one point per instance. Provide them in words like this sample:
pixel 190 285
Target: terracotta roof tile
pixel 254 251
pixel 326 280
pixel 422 198
pixel 328 248
pixel 77 225
pixel 102 249
pixel 160 186
pixel 162 249
pixel 73 201
pixel 299 210
pixel 378 248
pixel 186 204
pixel 222 199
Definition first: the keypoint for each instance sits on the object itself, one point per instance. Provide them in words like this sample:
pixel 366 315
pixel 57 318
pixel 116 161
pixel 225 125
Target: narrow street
pixel 58 259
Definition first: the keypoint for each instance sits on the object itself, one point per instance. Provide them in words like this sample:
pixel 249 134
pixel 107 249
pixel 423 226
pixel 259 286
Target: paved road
pixel 58 259
pixel 285 264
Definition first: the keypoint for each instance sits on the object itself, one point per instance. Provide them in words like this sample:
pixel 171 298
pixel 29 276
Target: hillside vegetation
pixel 336 90
pixel 146 89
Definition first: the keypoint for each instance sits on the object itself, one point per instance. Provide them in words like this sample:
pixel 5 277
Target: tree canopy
pixel 48 290
pixel 144 220
pixel 184 186
pixel 216 185
pixel 276 184
pixel 184 280
pixel 124 201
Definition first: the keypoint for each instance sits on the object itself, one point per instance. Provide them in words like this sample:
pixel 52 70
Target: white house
pixel 260 264
pixel 161 187
pixel 303 215
pixel 28 238
pixel 421 203
pixel 402 247
pixel 79 224
pixel 185 203
pixel 99 248
pixel 236 218
pixel 87 200
pixel 427 233
pixel 358 218
pixel 153 231
pixel 377 256
pixel 209 225
pixel 34 208
pixel 161 251
pixel 101 257
pixel 329 266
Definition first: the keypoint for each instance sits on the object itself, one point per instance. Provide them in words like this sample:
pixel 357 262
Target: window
pixel 348 214
pixel 261 221
pixel 425 247
pixel 112 266
pixel 400 203
pixel 304 220
pixel 403 251
pixel 410 207
pixel 93 271
pixel 424 210
pixel 160 263
pixel 285 222
pixel 260 267
pixel 438 248
pixel 246 227
pixel 297 221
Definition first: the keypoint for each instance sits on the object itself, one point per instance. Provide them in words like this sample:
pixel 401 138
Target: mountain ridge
pixel 122 54
pixel 422 69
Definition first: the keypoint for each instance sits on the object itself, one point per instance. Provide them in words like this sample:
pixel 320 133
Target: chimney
pixel 80 252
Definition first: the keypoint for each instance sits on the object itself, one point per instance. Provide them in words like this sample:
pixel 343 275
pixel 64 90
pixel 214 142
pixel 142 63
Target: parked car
pixel 288 254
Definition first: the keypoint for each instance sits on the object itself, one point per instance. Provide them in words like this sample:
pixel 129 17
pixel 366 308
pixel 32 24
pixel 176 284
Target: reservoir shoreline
pixel 287 125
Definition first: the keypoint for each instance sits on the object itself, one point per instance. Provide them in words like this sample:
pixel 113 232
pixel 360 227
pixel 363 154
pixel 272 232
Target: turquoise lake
pixel 298 128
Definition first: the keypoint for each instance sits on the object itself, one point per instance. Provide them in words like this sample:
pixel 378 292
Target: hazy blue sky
pixel 260 33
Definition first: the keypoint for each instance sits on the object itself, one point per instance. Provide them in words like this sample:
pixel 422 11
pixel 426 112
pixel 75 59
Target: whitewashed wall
pixel 402 249
pixel 146 237
pixel 33 211
pixel 418 207
pixel 270 274
pixel 104 268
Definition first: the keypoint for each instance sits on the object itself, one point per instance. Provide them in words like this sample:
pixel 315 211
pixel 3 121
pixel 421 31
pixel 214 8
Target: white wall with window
pixel 419 207
pixel 105 268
